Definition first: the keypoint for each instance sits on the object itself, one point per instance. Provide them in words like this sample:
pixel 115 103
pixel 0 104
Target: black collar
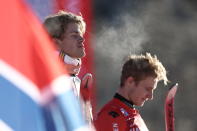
pixel 73 75
pixel 124 100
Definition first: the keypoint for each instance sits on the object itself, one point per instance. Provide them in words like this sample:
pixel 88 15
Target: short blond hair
pixel 142 66
pixel 56 24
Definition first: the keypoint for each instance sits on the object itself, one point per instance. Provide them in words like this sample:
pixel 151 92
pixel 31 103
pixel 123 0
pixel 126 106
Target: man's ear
pixel 58 42
pixel 129 81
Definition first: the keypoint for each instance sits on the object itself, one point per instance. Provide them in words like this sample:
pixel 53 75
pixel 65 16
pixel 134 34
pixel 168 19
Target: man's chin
pixel 81 55
pixel 140 104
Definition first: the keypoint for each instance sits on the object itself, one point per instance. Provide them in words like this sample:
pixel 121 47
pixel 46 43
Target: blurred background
pixel 166 28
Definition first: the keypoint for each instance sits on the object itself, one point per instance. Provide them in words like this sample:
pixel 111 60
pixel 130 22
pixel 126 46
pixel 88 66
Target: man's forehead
pixel 150 81
pixel 73 28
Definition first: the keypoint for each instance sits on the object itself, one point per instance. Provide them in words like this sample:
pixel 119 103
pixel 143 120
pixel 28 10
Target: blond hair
pixel 142 66
pixel 56 24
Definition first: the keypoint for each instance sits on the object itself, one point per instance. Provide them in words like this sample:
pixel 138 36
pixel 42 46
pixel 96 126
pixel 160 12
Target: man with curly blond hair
pixel 139 78
pixel 67 31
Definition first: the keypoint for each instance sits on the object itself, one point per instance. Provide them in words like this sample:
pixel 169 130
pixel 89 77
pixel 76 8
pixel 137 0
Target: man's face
pixel 142 91
pixel 72 41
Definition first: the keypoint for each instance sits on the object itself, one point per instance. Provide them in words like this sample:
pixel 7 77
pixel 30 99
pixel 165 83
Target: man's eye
pixel 74 36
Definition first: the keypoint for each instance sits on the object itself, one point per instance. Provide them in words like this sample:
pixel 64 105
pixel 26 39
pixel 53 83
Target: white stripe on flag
pixel 21 82
pixel 4 126
pixel 58 86
pixel 85 128
pixel 61 84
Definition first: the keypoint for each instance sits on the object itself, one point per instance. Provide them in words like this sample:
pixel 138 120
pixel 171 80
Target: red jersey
pixel 119 115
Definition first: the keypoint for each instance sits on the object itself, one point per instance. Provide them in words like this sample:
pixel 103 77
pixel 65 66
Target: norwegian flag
pixel 35 93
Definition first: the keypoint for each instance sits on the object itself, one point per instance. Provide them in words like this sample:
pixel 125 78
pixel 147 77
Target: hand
pixel 85 89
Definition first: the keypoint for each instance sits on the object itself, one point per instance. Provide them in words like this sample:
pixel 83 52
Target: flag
pixel 35 93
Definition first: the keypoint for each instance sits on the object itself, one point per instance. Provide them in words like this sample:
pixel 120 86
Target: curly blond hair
pixel 56 24
pixel 142 66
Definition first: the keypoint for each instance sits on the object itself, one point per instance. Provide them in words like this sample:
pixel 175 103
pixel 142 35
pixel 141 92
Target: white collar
pixel 72 61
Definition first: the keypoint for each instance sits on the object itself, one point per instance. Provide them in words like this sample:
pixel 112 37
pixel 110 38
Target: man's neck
pixel 73 65
pixel 124 100
pixel 122 92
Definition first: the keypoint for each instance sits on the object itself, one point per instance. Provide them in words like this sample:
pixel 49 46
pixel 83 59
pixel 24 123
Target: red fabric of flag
pixel 25 45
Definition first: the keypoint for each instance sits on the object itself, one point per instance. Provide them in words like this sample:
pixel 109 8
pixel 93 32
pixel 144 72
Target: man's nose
pixel 150 95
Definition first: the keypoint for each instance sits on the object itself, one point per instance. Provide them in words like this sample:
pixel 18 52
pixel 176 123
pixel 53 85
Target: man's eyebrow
pixel 74 31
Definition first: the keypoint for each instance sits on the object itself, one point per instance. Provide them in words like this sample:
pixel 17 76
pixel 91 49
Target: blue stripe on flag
pixel 18 110
pixel 71 109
